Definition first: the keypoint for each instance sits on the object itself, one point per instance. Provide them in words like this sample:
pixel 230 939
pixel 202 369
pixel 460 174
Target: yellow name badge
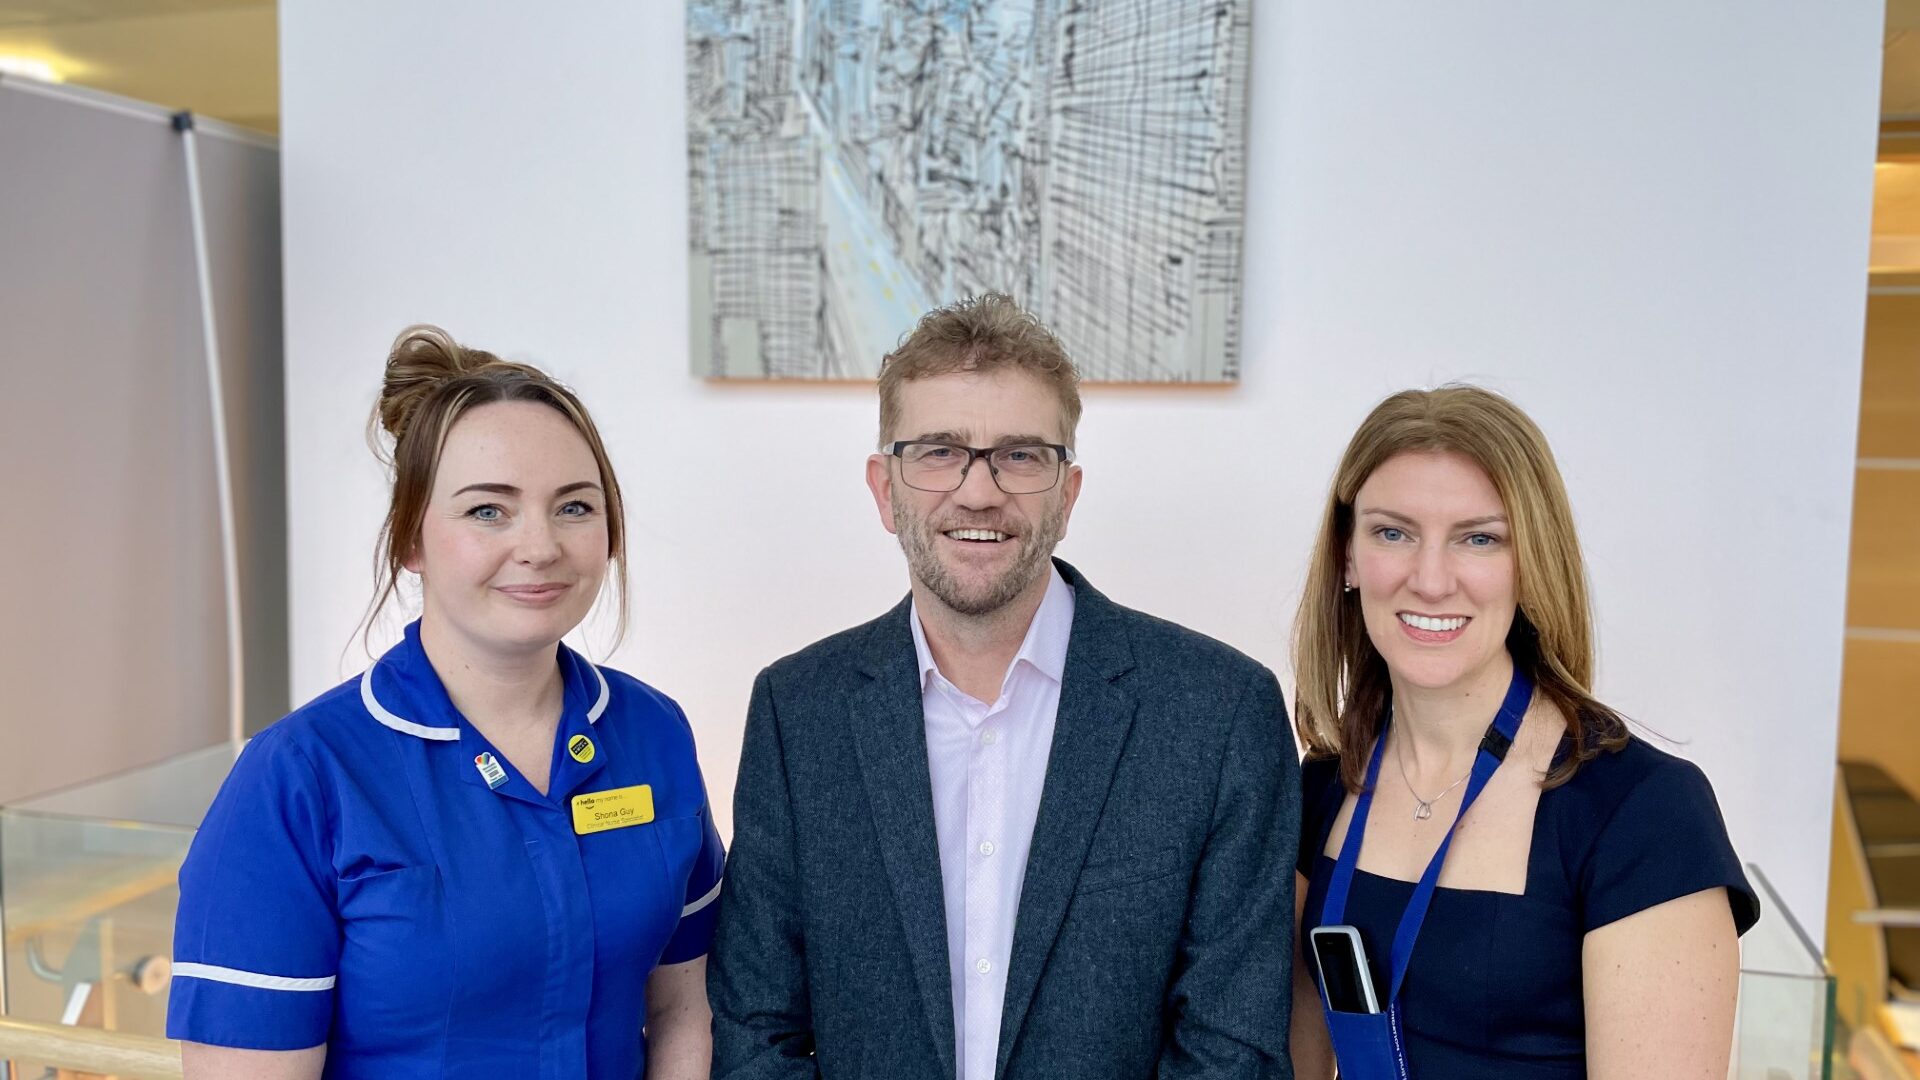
pixel 617 808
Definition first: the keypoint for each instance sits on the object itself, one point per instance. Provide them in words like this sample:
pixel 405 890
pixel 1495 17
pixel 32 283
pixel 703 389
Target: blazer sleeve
pixel 1232 992
pixel 756 972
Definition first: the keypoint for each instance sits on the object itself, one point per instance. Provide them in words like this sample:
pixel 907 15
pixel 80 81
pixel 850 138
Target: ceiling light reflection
pixel 29 67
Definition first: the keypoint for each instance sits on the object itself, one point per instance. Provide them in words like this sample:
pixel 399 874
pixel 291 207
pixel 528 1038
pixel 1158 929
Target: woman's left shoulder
pixel 1629 791
pixel 1612 775
pixel 1652 831
pixel 633 704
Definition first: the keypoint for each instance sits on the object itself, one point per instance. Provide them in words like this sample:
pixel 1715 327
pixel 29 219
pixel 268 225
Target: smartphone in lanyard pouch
pixel 1343 969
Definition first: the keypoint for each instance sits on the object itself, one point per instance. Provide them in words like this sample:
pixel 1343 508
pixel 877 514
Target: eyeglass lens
pixel 1019 470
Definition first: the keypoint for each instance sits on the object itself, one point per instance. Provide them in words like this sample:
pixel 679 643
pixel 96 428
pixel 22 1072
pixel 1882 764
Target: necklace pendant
pixel 1423 811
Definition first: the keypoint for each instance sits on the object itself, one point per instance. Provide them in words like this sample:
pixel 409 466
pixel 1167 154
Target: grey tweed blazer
pixel 1154 936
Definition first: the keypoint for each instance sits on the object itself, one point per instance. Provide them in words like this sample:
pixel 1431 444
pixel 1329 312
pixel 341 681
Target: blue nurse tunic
pixel 375 876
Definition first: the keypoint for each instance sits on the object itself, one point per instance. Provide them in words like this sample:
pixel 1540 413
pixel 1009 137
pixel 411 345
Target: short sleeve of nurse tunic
pixel 360 883
pixel 1494 985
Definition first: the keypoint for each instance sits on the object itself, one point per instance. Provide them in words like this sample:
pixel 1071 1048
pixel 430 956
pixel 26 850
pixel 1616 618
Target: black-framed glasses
pixel 1017 468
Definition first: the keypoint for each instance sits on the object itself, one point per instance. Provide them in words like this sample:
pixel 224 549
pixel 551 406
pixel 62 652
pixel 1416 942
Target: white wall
pixel 1646 221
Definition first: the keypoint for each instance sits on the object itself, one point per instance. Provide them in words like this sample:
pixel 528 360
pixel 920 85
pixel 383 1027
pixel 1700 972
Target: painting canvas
pixel 855 163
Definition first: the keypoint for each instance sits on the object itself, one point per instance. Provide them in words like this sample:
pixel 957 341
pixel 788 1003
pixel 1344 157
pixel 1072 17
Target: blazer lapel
pixel 1089 733
pixel 890 739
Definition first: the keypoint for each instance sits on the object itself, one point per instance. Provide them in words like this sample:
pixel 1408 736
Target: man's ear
pixel 880 482
pixel 1072 495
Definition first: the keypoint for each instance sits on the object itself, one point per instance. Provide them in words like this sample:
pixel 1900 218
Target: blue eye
pixel 486 512
pixel 1390 534
pixel 576 509
pixel 1482 540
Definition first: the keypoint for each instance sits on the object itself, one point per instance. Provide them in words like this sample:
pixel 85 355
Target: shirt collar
pixel 411 699
pixel 1045 647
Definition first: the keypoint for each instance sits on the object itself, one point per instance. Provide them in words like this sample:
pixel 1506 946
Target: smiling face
pixel 1432 559
pixel 976 549
pixel 513 546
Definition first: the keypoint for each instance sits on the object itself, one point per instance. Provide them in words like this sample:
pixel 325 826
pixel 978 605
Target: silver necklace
pixel 1422 808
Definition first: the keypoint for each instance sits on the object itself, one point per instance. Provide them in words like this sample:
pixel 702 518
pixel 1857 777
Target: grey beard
pixel 917 541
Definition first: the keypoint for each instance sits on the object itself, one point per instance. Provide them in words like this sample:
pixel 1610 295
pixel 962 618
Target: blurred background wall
pixel 1642 221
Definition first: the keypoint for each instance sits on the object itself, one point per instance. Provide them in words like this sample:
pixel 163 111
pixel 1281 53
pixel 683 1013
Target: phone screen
pixel 1343 969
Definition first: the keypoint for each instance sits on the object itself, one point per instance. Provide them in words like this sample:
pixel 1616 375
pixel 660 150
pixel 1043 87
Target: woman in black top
pixel 1587 910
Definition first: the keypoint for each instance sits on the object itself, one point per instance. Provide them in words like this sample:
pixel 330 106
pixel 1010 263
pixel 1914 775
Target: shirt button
pixel 990 737
pixel 986 847
pixel 983 965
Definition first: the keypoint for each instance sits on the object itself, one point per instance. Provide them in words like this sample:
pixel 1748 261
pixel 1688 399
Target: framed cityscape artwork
pixel 855 163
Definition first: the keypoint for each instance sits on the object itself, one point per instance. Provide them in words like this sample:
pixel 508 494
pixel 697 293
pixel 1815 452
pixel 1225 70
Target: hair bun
pixel 423 359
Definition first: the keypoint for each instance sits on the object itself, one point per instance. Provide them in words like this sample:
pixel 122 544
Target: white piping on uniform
pixel 712 895
pixel 452 734
pixel 247 978
pixel 379 712
pixel 593 714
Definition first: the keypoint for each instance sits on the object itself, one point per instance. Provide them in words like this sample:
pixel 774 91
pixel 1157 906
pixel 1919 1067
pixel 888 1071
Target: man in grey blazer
pixel 1010 830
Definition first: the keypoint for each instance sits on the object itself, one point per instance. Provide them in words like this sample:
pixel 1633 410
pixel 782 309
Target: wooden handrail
pixel 129 1057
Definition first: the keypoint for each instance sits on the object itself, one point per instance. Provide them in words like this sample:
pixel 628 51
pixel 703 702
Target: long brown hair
pixel 432 381
pixel 1342 686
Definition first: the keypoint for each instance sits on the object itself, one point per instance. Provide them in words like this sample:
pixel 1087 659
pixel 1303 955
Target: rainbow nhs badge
pixel 490 770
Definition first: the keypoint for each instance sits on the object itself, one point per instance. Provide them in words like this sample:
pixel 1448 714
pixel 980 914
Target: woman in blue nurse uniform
pixel 1581 918
pixel 486 856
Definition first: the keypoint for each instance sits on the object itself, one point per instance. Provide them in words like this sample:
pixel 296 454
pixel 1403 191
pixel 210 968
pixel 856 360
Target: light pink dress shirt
pixel 988 764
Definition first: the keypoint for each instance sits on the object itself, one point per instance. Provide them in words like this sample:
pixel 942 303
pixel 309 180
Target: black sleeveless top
pixel 1494 986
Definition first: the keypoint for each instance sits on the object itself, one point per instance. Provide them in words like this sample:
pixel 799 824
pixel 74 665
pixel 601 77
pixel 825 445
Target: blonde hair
pixel 431 382
pixel 1342 687
pixel 980 333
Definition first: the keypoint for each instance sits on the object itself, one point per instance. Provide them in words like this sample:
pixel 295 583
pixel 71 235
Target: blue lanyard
pixel 1493 749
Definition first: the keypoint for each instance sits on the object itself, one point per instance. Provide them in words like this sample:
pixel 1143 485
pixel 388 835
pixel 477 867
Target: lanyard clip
pixel 1495 743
